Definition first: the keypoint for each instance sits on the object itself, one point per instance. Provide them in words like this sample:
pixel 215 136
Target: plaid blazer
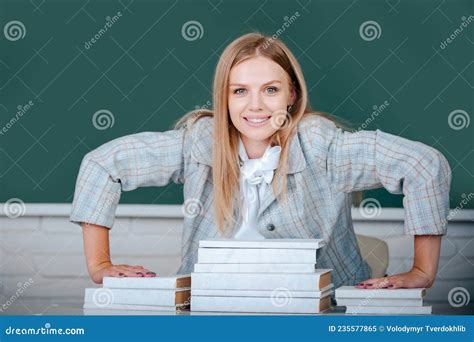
pixel 326 164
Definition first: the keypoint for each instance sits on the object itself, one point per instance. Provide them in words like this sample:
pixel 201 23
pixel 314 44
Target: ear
pixel 292 96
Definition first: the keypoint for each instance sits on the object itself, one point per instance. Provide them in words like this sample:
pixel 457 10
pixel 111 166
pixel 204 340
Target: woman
pixel 262 165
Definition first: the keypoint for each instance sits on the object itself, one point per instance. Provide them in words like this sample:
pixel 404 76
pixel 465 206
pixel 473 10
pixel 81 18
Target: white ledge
pixel 174 211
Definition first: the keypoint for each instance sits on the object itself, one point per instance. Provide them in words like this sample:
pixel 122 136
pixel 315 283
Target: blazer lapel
pixel 296 163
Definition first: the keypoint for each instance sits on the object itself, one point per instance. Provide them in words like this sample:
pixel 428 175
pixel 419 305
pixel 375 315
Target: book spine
pixel 379 302
pixel 256 256
pixel 127 307
pixel 255 281
pixel 273 243
pixel 260 293
pixel 394 310
pixel 131 296
pixel 139 283
pixel 254 304
pixel 255 268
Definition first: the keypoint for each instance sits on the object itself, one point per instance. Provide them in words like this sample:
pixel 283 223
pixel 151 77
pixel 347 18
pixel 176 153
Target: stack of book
pixel 382 301
pixel 260 276
pixel 170 294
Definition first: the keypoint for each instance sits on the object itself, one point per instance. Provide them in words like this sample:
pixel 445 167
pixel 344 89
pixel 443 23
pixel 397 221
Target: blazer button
pixel 271 227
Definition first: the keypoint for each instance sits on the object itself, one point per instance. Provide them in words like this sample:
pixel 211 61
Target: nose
pixel 255 102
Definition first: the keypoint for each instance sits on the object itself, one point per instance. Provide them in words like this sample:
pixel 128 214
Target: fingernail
pixel 120 274
pixel 390 285
pixel 140 274
pixel 369 284
pixel 151 273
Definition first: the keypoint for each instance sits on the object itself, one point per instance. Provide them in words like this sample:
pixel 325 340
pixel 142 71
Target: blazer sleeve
pixel 372 159
pixel 124 164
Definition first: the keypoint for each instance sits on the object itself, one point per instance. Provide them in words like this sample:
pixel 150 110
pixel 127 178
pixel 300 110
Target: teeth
pixel 257 120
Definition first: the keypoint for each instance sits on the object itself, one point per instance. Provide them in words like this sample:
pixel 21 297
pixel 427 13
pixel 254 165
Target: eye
pixel 272 90
pixel 238 91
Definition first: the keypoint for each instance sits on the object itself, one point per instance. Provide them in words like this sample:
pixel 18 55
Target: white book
pixel 131 307
pixel 114 312
pixel 379 301
pixel 277 293
pixel 255 268
pixel 256 255
pixel 260 304
pixel 107 296
pixel 174 282
pixel 389 310
pixel 353 292
pixel 264 281
pixel 267 243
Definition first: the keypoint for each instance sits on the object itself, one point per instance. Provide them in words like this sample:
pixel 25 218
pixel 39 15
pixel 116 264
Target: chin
pixel 257 136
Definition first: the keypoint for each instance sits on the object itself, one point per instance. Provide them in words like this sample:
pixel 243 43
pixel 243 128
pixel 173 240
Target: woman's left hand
pixel 415 278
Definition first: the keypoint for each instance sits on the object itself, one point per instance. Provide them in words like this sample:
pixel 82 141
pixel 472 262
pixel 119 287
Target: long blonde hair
pixel 226 169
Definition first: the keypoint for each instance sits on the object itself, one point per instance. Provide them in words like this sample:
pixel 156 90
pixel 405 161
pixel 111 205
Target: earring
pixel 288 109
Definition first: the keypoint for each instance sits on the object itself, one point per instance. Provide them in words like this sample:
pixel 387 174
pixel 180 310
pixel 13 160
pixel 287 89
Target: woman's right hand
pixel 121 271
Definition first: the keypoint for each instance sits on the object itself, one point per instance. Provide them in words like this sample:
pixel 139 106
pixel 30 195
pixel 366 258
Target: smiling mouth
pixel 257 120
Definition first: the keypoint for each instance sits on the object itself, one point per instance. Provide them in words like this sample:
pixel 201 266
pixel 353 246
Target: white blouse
pixel 255 176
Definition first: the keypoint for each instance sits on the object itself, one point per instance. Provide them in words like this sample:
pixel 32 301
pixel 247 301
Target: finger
pixel 129 272
pixel 376 283
pixel 396 283
pixel 140 270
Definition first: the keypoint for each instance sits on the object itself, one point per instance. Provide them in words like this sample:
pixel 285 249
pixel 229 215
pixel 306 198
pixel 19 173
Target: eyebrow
pixel 243 85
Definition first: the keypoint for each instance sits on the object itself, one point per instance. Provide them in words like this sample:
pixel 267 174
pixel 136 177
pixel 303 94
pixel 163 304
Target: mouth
pixel 257 121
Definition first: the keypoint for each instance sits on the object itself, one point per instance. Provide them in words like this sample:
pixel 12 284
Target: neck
pixel 255 148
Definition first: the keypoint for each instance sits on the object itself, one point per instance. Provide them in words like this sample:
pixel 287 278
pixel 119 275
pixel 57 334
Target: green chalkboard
pixel 404 67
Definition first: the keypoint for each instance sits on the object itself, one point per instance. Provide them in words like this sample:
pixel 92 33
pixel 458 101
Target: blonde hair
pixel 226 169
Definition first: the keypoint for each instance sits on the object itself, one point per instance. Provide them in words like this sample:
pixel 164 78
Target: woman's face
pixel 259 92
